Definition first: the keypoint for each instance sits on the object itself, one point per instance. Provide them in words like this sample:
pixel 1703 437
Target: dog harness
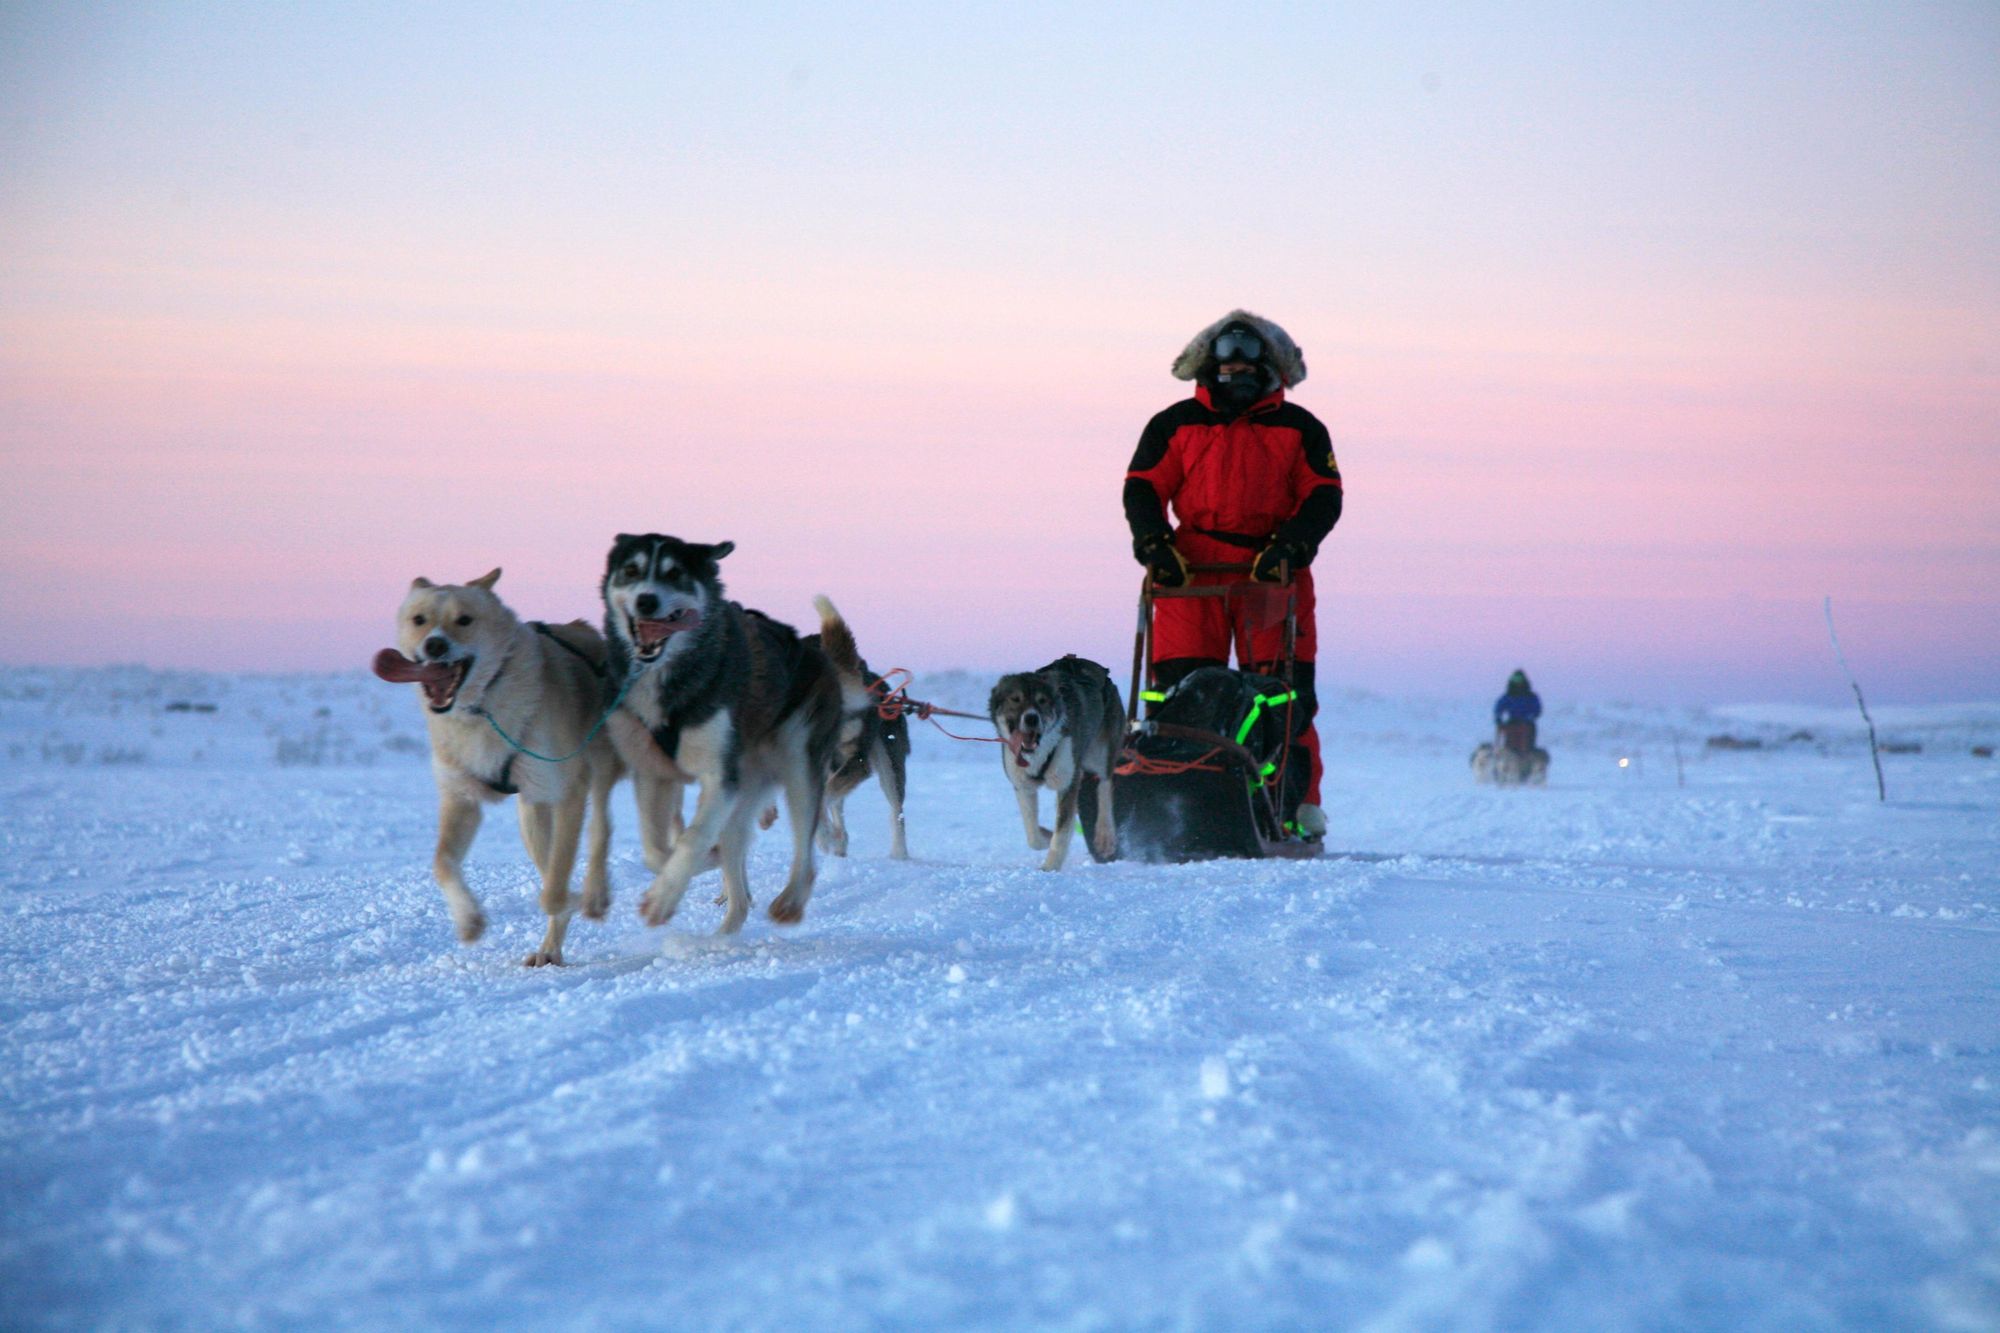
pixel 541 627
pixel 502 783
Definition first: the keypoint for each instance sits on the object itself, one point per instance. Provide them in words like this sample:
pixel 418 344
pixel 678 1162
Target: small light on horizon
pixel 1624 763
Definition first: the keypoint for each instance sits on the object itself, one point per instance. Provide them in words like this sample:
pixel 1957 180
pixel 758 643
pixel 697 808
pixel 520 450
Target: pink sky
pixel 1635 341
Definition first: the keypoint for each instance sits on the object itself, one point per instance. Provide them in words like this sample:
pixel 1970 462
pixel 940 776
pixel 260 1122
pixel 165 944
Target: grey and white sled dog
pixel 869 744
pixel 722 696
pixel 1060 725
pixel 479 670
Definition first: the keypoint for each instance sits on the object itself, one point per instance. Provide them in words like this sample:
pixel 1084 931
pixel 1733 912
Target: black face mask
pixel 1233 394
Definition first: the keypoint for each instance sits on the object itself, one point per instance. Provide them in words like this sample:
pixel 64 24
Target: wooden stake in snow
pixel 1874 752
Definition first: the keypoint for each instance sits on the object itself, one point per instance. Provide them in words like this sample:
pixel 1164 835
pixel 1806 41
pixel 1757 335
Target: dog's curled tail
pixel 836 640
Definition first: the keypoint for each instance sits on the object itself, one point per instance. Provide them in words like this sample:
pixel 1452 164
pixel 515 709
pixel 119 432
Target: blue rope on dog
pixel 551 759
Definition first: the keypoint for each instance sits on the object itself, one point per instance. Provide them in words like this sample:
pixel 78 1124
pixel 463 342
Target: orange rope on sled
pixel 1144 766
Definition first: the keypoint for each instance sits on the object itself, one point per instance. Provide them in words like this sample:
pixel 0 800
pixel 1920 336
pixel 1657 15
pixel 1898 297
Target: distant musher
pixel 1514 713
pixel 1513 757
pixel 1251 479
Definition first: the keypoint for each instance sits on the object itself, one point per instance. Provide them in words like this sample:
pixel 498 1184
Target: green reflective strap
pixel 1257 711
pixel 1153 696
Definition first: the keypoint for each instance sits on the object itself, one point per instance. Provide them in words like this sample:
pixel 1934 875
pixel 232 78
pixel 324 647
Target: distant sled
pixel 1210 768
pixel 1512 759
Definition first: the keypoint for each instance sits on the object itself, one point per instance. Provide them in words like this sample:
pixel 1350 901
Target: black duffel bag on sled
pixel 1211 771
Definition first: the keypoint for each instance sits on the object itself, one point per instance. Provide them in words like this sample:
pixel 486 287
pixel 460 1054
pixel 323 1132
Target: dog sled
pixel 1512 759
pixel 1211 766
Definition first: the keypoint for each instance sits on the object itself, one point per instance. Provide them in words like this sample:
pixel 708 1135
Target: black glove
pixel 1169 566
pixel 1279 561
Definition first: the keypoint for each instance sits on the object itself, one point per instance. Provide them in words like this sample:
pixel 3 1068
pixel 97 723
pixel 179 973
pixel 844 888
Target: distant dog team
pixel 1507 762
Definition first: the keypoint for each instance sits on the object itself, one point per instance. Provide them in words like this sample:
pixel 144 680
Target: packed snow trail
pixel 1617 1053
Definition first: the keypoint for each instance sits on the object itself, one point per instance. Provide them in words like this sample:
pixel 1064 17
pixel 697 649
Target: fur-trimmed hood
pixel 1284 355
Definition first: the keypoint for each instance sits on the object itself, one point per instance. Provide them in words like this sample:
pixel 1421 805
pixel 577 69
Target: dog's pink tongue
pixel 397 669
pixel 681 621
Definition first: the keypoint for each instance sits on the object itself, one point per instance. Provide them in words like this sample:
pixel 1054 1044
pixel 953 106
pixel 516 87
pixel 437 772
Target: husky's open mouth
pixel 649 637
pixel 441 680
pixel 1023 743
pixel 441 684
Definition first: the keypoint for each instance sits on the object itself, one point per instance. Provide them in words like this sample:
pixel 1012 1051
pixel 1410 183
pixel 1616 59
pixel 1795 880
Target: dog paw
pixel 787 910
pixel 596 905
pixel 1041 840
pixel 653 911
pixel 768 818
pixel 542 958
pixel 470 928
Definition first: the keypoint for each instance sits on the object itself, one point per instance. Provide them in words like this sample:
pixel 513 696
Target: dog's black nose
pixel 1031 719
pixel 647 604
pixel 436 646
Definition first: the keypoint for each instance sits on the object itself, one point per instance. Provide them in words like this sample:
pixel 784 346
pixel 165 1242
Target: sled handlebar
pixel 1284 580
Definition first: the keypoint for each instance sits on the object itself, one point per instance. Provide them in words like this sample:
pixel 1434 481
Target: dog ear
pixel 420 582
pixel 717 551
pixel 486 580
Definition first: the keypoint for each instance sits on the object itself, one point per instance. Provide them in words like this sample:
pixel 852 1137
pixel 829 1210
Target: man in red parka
pixel 1251 478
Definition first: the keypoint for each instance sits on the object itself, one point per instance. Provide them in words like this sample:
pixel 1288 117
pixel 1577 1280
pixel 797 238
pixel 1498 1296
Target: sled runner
pixel 1210 766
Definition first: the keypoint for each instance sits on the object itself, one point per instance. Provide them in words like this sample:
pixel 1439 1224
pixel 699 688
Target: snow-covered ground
pixel 1712 1043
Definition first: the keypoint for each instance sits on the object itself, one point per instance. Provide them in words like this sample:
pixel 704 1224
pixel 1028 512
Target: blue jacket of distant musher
pixel 1523 707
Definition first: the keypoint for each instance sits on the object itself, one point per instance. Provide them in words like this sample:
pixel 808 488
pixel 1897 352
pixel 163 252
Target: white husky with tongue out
pixel 513 709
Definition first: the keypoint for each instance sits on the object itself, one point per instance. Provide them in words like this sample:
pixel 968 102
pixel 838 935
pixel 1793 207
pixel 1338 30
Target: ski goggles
pixel 1237 345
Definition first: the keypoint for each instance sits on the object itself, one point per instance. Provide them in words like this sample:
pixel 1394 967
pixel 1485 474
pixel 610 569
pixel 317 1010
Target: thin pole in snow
pixel 1874 751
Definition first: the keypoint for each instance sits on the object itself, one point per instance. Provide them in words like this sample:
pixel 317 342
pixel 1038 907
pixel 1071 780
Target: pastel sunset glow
pixel 1638 330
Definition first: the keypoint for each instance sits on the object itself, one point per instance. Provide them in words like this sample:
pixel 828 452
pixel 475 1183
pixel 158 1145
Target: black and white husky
pixel 1061 726
pixel 725 697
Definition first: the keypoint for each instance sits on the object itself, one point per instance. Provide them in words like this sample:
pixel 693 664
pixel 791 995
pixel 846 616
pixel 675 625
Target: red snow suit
pixel 1234 486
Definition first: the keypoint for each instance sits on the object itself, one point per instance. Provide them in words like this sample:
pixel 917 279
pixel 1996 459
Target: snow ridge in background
pixel 1703 1040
